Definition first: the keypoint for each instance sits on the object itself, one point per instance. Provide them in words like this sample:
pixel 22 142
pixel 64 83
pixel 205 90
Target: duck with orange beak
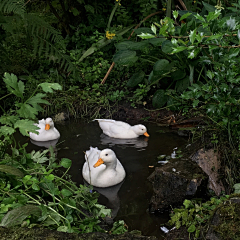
pixel 102 168
pixel 119 129
pixel 46 131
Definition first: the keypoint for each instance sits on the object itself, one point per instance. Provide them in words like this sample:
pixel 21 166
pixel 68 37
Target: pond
pixel 138 156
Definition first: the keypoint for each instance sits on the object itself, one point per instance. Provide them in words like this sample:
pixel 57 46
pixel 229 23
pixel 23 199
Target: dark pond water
pixel 136 156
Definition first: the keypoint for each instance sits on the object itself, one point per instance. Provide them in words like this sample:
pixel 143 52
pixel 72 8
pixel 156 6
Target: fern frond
pixel 13 6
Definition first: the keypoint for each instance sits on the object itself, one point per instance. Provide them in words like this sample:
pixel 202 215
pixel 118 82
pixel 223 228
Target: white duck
pixel 102 168
pixel 119 129
pixel 47 131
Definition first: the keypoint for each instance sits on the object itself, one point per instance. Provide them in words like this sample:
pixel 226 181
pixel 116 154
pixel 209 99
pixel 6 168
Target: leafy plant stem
pixel 111 15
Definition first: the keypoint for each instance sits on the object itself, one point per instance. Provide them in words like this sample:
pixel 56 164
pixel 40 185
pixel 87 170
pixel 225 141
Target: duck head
pixel 49 124
pixel 140 130
pixel 107 157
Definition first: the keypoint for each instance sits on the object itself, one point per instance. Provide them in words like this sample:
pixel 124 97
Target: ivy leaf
pixel 13 86
pixel 5 130
pixel 211 108
pixel 66 163
pixel 48 87
pixel 17 215
pixel 25 126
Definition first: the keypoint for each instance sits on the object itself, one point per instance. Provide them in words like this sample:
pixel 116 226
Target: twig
pixel 183 5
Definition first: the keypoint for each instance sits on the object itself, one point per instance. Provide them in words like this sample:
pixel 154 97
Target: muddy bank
pixel 46 234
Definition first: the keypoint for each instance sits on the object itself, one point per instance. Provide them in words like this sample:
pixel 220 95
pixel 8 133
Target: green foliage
pixel 32 33
pixel 33 193
pixel 195 214
pixel 43 198
pixel 197 60
pixel 24 108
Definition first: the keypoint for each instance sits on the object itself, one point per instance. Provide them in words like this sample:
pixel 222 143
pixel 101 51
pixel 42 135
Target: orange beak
pixel 98 163
pixel 146 134
pixel 47 127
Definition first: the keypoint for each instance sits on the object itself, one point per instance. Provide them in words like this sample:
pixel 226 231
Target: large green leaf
pixel 128 45
pixel 125 45
pixel 154 78
pixel 167 46
pixel 125 57
pixel 143 30
pixel 210 8
pixel 159 98
pixel 156 41
pixel 17 215
pixel 26 126
pixel 35 100
pixel 136 79
pixel 26 111
pixel 13 86
pixel 104 42
pixel 8 120
pixel 5 130
pixel 161 66
pixel 66 163
pixel 182 84
pixel 48 87
pixel 11 170
pixel 178 74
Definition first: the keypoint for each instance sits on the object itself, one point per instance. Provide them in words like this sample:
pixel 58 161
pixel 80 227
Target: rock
pixel 225 223
pixel 174 181
pixel 60 117
pixel 208 161
pixel 46 234
pixel 180 233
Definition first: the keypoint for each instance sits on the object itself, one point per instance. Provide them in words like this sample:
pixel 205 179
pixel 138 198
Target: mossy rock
pixel 225 223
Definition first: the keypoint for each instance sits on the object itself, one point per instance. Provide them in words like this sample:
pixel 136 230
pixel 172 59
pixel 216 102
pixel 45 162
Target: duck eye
pixel 106 154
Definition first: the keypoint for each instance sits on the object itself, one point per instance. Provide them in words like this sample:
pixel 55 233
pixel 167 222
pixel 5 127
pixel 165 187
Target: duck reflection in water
pixel 111 193
pixel 140 142
pixel 46 144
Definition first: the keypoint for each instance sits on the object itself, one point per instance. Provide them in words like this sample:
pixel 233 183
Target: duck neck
pixel 111 165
